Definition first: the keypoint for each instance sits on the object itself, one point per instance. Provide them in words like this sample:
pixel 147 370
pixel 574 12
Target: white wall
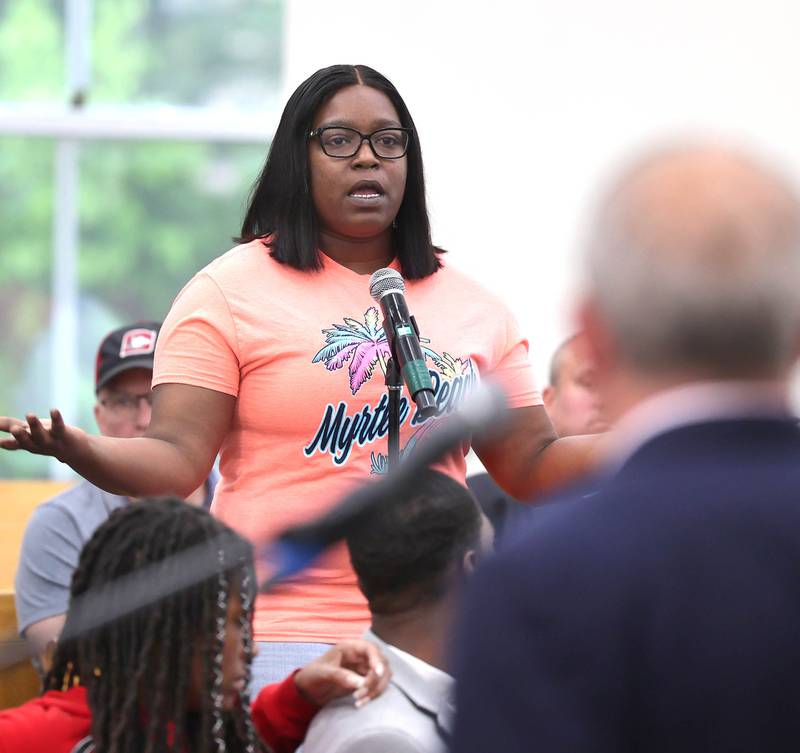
pixel 523 107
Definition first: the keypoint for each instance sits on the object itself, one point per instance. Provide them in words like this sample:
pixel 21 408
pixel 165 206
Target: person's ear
pixel 100 416
pixel 548 395
pixel 470 562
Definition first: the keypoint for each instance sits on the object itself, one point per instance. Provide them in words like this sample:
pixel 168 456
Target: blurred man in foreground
pixel 60 527
pixel 662 612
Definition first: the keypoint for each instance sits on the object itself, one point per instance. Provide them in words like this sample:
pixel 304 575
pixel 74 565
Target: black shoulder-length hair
pixel 280 205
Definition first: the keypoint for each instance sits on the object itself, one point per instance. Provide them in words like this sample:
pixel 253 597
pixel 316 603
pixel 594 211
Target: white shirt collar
pixel 688 404
pixel 426 671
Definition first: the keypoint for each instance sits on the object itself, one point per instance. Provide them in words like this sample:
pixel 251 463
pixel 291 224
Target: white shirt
pixel 427 672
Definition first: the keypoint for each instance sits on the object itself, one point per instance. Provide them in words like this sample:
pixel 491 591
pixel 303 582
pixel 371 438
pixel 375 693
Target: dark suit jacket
pixel 661 613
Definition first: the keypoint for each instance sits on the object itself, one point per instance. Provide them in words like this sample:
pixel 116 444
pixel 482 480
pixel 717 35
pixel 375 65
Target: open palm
pixel 41 437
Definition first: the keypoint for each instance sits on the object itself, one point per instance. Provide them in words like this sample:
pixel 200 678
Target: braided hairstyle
pixel 138 669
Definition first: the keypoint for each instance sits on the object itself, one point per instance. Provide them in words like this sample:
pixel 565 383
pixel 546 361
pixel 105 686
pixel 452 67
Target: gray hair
pixel 694 265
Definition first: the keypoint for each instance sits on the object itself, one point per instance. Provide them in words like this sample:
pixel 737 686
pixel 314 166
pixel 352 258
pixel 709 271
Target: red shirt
pixel 57 721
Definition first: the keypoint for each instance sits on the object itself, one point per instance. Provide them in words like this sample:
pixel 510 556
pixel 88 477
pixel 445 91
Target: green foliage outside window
pixel 151 213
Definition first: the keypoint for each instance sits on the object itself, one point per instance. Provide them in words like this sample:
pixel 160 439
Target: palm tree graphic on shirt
pixel 361 347
pixel 451 367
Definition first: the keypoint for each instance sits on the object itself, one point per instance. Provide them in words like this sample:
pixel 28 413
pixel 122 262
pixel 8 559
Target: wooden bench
pixel 19 683
pixel 18 499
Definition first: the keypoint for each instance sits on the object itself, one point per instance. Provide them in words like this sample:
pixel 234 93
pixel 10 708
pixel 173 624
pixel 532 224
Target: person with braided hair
pixel 156 649
pixel 60 527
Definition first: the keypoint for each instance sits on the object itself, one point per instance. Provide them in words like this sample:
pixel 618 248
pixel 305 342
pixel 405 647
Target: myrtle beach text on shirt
pixel 338 431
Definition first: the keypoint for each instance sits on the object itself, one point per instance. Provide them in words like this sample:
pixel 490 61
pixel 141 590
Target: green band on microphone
pixel 417 377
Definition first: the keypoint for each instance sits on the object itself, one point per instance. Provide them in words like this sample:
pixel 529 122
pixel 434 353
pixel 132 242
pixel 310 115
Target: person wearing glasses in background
pixel 59 528
pixel 274 355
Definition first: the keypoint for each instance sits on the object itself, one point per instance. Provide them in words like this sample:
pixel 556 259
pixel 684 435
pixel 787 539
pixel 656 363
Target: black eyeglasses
pixel 125 403
pixel 386 143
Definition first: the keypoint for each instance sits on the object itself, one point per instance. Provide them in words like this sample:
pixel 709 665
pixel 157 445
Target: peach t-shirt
pixel 304 353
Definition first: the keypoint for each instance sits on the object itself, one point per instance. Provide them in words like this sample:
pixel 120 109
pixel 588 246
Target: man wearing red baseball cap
pixel 59 528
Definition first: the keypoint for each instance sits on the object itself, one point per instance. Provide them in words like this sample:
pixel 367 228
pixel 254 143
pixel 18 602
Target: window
pixel 130 133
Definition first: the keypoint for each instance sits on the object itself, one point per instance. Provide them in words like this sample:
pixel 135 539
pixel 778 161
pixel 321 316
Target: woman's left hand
pixel 354 666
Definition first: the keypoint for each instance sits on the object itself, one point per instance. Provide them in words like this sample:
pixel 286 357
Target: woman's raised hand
pixel 41 437
pixel 354 666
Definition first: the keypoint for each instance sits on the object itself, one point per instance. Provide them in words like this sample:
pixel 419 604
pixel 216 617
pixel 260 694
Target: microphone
pixel 387 289
pixel 298 546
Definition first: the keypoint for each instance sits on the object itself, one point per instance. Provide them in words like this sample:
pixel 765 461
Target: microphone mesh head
pixel 384 281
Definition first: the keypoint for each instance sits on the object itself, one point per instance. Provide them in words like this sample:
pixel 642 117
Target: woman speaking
pixel 274 355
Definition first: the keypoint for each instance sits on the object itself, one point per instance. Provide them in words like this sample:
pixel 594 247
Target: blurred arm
pixel 528 459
